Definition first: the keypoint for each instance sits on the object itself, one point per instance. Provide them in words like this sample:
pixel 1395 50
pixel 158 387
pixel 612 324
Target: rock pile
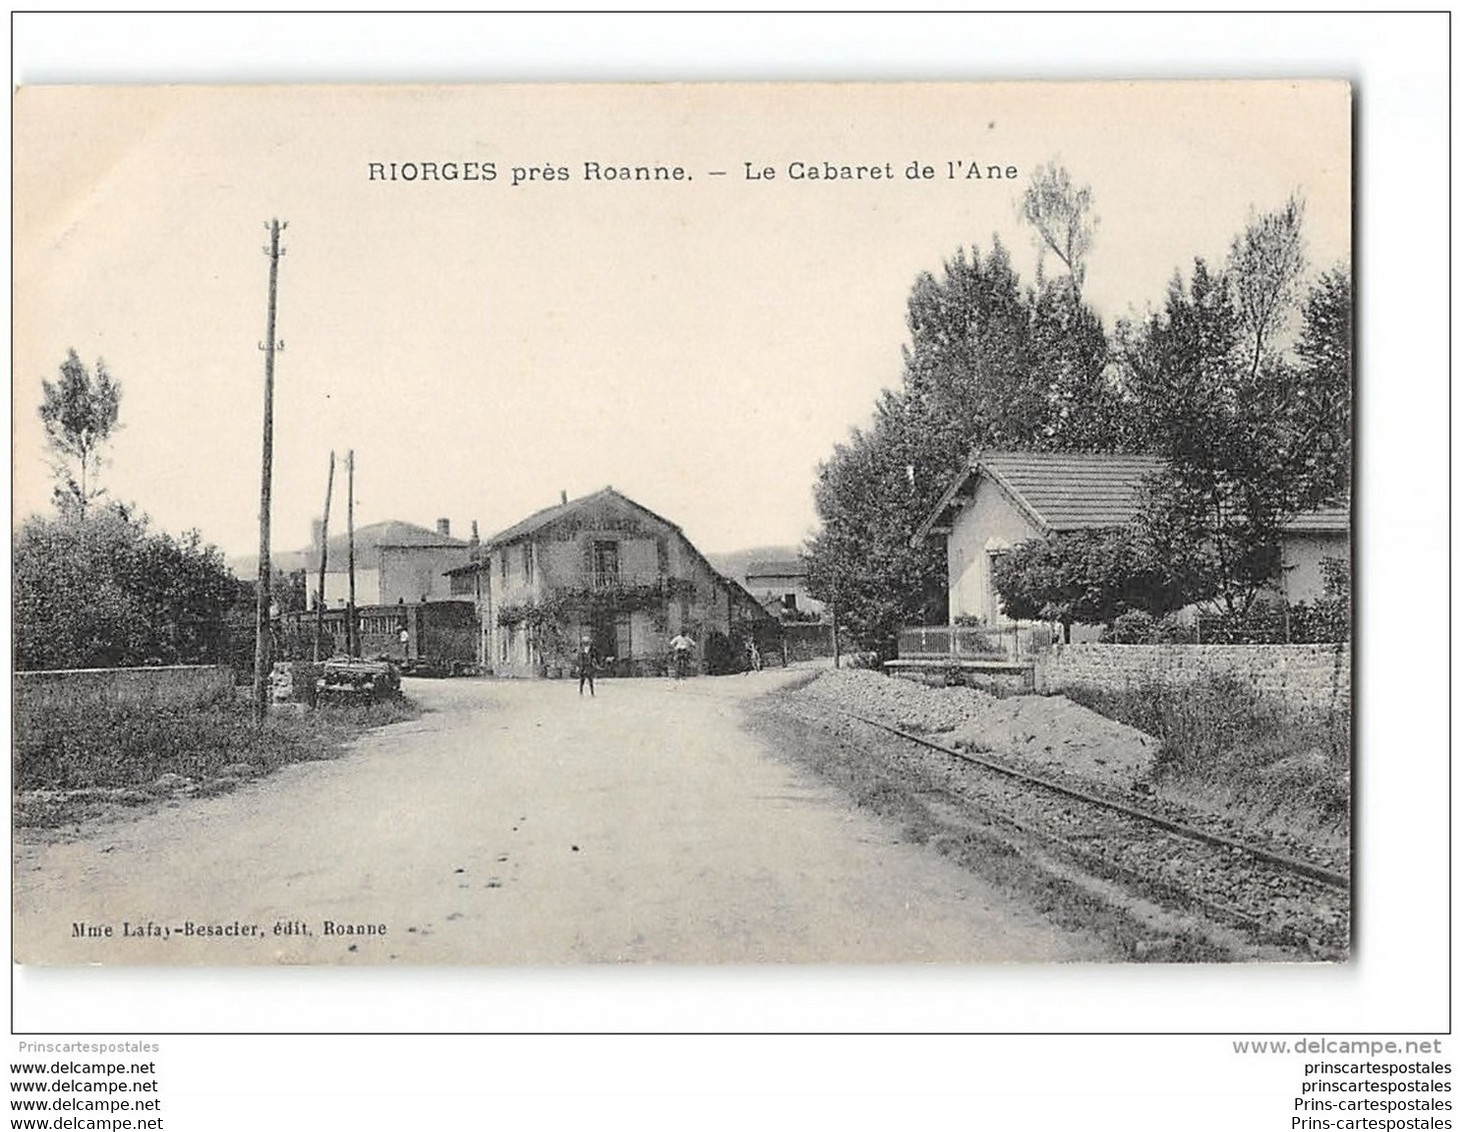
pixel 1047 734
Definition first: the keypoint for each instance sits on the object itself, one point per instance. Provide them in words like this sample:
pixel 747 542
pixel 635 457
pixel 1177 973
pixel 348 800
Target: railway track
pixel 1299 906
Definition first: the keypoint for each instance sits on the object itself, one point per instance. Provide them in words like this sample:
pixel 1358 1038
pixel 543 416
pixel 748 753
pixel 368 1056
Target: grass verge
pixel 1228 746
pixel 68 757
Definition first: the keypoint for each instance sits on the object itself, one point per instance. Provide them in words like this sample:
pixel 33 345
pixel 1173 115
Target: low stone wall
pixel 174 684
pixel 1307 677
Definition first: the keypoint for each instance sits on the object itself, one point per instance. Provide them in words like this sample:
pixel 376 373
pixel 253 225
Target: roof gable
pixel 776 568
pixel 1071 491
pixel 560 511
pixel 1076 491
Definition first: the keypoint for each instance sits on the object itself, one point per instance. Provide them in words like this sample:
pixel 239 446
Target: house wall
pixel 990 521
pixel 770 589
pixel 1303 557
pixel 337 586
pixel 563 556
pixel 417 573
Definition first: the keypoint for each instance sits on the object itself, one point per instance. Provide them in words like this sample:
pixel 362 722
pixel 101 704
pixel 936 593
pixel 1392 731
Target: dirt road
pixel 516 823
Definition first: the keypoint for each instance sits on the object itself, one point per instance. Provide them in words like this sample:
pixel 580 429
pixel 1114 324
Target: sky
pixel 699 344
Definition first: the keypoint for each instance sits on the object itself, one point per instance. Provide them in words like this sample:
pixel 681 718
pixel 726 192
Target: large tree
pixel 105 591
pixel 990 364
pixel 79 411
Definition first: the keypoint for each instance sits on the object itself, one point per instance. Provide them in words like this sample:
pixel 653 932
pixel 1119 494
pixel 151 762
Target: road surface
pixel 518 823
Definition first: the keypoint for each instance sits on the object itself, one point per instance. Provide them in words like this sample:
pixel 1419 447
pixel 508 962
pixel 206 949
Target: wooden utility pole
pixel 837 650
pixel 352 634
pixel 261 616
pixel 324 557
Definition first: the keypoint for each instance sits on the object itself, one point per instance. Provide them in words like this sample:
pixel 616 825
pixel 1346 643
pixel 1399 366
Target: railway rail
pixel 1274 898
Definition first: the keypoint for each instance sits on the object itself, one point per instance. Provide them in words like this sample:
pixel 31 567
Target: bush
pixel 1135 627
pixel 1224 736
pixel 723 656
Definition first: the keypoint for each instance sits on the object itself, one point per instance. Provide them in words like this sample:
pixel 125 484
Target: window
pixel 528 563
pixel 606 563
pixel 789 602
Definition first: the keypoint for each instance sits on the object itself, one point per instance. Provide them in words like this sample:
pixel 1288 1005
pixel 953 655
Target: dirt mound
pixel 1053 734
pixel 902 703
pixel 1049 734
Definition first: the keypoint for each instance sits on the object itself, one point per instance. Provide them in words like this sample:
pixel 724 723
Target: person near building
pixel 585 664
pixel 681 647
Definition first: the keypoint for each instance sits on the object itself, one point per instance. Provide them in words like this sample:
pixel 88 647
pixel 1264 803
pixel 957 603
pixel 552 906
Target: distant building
pixel 395 562
pixel 780 585
pixel 605 568
pixel 1004 498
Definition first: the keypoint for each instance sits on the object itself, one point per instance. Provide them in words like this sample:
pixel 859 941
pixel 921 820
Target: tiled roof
pixel 776 568
pixel 1071 491
pixel 540 519
pixel 393 532
pixel 1074 491
pixel 1324 520
pixel 368 540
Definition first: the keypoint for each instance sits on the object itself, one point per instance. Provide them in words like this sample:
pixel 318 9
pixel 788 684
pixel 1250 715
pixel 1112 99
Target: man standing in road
pixel 585 665
pixel 680 649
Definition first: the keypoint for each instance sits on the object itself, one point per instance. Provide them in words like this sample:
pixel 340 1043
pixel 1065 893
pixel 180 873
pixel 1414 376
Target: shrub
pixel 1224 736
pixel 722 655
pixel 1135 627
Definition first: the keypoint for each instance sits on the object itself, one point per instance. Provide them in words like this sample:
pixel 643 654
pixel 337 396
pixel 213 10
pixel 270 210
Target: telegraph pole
pixel 261 618
pixel 352 638
pixel 324 555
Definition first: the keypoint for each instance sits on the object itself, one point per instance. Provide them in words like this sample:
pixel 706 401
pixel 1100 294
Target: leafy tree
pixel 1060 212
pixel 1091 577
pixel 1266 265
pixel 871 495
pixel 1252 436
pixel 1316 444
pixel 104 592
pixel 79 412
pixel 990 364
pixel 1206 413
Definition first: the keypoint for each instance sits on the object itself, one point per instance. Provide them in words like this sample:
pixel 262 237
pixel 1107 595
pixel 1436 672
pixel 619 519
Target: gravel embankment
pixel 1049 734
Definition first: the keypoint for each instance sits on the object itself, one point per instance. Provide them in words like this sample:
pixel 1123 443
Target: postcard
pixel 760 523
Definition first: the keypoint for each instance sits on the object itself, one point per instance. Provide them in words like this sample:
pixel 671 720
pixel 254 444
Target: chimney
pixel 444 527
pixel 563 497
pixel 474 544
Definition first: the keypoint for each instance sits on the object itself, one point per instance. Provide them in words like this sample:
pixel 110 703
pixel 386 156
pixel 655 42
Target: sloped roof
pixel 1323 520
pixel 1075 491
pixel 540 519
pixel 1071 491
pixel 368 540
pixel 776 568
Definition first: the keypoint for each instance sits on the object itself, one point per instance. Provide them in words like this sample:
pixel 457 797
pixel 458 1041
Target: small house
pixel 780 585
pixel 1004 498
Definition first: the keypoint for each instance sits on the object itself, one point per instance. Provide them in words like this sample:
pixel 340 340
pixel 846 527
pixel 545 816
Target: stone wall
pixel 1308 677
pixel 172 684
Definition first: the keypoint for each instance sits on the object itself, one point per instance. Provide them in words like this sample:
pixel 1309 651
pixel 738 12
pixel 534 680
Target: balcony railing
pixel 602 579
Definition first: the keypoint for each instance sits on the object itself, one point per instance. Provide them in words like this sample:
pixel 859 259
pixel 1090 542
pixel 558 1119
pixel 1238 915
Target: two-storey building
pixel 606 569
